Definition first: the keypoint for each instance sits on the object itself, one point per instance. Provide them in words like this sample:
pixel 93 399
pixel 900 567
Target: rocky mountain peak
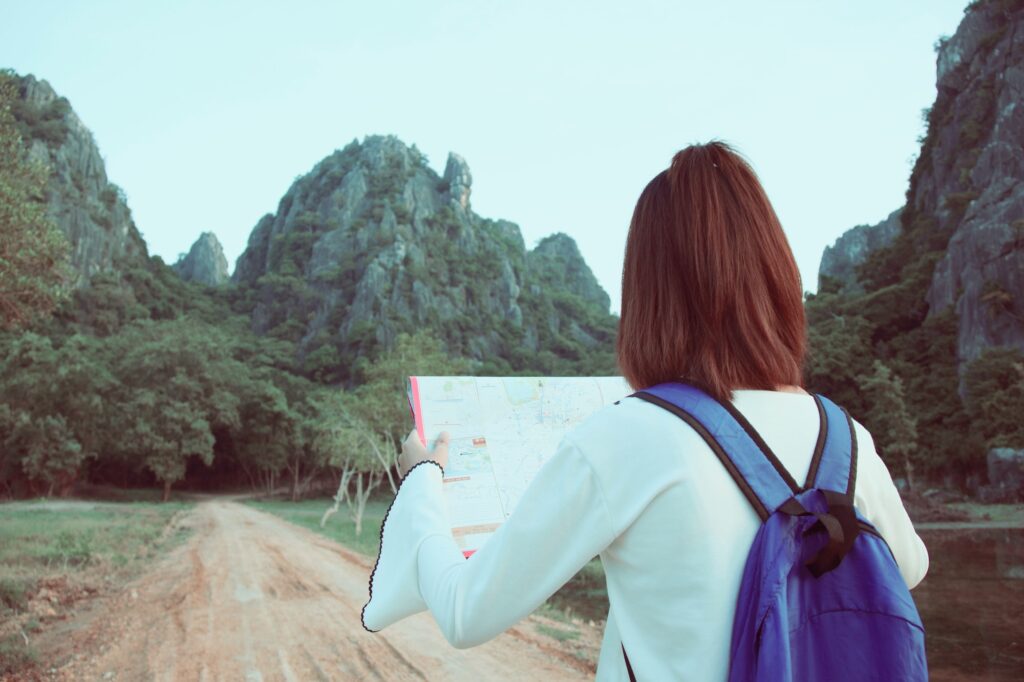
pixel 372 242
pixel 458 180
pixel 839 262
pixel 92 211
pixel 960 239
pixel 973 178
pixel 557 261
pixel 205 262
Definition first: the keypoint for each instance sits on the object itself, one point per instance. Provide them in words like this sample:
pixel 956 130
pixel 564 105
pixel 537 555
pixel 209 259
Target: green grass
pixel 85 543
pixel 15 655
pixel 339 527
pixel 1007 513
pixel 556 633
pixel 586 594
pixel 65 536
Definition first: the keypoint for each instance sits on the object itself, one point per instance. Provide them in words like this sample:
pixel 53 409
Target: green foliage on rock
pixel 33 252
pixel 850 336
pixel 889 420
pixel 995 397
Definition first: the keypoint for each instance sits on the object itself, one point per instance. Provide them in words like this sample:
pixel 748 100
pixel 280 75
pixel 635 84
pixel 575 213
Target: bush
pixel 72 549
pixel 42 123
pixel 109 196
pixel 15 655
pixel 994 384
pixel 14 593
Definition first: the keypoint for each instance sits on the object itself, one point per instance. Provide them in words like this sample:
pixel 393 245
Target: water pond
pixel 972 604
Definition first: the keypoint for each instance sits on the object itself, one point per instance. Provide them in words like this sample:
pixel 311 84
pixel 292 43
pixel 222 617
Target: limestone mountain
pixel 972 179
pixel 91 210
pixel 204 263
pixel 935 315
pixel 959 242
pixel 372 242
pixel 839 262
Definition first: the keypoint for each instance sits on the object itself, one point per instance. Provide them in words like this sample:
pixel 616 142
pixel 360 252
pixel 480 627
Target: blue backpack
pixel 821 597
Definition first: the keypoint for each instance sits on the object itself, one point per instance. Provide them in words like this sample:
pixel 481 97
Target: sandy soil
pixel 251 597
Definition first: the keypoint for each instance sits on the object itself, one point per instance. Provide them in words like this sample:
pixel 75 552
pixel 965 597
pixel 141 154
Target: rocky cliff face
pixel 205 262
pixel 960 244
pixel 839 262
pixel 372 242
pixel 91 211
pixel 974 184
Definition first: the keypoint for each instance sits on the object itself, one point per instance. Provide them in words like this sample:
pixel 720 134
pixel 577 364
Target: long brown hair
pixel 710 290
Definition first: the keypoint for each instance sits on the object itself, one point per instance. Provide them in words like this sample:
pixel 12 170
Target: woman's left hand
pixel 414 452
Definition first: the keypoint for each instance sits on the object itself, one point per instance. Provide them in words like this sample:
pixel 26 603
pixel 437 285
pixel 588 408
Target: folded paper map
pixel 502 430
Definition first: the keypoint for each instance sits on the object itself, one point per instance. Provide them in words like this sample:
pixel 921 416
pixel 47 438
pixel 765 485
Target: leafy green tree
pixel 363 428
pixel 55 414
pixel 179 382
pixel 381 398
pixel 49 452
pixel 363 456
pixel 839 357
pixel 167 431
pixel 263 437
pixel 994 384
pixel 307 413
pixel 9 466
pixel 889 420
pixel 33 251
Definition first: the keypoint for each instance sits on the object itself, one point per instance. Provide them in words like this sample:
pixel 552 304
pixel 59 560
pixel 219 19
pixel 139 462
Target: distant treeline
pixel 159 399
pixel 142 379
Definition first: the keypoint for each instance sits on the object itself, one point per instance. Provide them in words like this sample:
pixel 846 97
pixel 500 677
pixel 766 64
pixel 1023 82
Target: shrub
pixel 14 593
pixel 994 384
pixel 74 549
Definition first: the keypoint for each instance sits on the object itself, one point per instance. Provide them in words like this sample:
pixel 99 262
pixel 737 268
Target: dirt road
pixel 250 597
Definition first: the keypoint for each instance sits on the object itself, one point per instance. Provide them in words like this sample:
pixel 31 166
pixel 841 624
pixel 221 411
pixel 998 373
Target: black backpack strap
pixel 834 473
pixel 629 668
pixel 838 467
pixel 757 471
pixel 819 446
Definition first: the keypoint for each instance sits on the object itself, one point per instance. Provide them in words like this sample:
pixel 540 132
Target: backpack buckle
pixel 840 521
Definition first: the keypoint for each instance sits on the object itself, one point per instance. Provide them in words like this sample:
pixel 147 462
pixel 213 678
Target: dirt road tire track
pixel 251 597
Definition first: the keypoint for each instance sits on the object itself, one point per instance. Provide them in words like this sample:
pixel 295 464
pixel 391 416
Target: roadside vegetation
pixel 56 553
pixel 341 529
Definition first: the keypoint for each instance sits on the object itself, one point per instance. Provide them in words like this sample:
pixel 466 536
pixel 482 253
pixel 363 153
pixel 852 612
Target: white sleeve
pixel 559 524
pixel 879 501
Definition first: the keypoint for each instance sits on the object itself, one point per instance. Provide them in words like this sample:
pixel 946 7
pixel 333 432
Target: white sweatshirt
pixel 639 487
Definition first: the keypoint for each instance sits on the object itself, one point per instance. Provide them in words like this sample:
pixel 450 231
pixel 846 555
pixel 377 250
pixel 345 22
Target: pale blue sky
pixel 206 111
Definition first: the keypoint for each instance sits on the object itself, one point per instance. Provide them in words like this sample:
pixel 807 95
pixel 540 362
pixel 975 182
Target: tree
pixel 366 426
pixel 33 251
pixel 179 382
pixel 49 451
pixel 55 414
pixel 363 455
pixel 263 437
pixel 994 384
pixel 839 357
pixel 167 431
pixel 8 464
pixel 308 451
pixel 381 399
pixel 889 420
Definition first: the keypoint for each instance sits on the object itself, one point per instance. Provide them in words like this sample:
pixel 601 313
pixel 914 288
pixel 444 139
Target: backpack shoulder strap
pixel 836 471
pixel 752 465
